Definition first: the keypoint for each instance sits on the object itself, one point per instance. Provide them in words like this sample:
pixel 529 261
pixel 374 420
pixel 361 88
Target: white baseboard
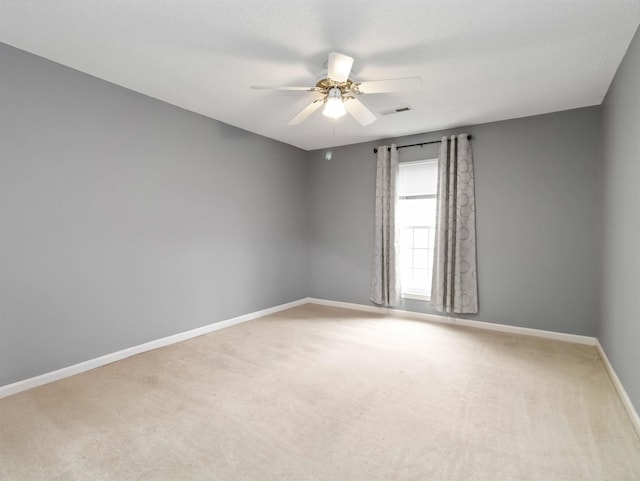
pixel 52 376
pixel 633 414
pixel 558 336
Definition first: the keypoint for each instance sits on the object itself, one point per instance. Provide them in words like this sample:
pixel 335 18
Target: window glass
pixel 416 216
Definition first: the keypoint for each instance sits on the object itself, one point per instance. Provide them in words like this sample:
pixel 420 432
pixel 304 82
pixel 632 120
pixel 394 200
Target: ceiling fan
pixel 339 91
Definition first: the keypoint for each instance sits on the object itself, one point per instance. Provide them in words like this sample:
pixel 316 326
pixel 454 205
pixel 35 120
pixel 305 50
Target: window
pixel 416 217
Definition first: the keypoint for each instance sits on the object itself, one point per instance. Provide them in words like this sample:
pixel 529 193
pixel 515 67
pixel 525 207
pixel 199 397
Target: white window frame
pixel 408 293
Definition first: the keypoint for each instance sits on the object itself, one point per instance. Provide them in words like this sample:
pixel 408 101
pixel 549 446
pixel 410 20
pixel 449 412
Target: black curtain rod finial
pixel 375 149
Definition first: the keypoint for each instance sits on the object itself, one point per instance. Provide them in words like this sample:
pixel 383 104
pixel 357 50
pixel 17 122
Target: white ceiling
pixel 480 60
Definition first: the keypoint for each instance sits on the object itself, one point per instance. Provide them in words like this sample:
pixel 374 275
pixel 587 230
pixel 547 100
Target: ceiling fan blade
pixel 339 67
pixel 302 89
pixel 391 85
pixel 305 112
pixel 359 111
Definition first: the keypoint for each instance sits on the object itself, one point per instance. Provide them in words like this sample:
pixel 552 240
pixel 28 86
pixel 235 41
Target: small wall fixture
pixel 334 107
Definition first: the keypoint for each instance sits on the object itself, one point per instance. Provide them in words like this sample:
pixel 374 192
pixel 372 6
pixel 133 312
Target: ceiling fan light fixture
pixel 334 106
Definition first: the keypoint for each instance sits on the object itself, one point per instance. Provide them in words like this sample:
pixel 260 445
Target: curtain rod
pixel 375 149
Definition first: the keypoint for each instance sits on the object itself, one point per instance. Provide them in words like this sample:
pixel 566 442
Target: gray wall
pixel 619 327
pixel 537 204
pixel 124 219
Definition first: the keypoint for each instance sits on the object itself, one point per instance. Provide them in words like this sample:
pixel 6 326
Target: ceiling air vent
pixel 396 111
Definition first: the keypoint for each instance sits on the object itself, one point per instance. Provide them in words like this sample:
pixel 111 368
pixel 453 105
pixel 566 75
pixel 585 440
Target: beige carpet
pixel 318 393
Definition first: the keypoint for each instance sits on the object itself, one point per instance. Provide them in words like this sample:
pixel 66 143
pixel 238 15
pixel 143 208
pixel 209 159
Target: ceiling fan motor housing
pixel 325 85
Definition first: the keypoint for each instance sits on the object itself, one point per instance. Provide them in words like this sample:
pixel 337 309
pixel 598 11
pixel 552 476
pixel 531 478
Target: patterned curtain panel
pixel 455 286
pixel 385 279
